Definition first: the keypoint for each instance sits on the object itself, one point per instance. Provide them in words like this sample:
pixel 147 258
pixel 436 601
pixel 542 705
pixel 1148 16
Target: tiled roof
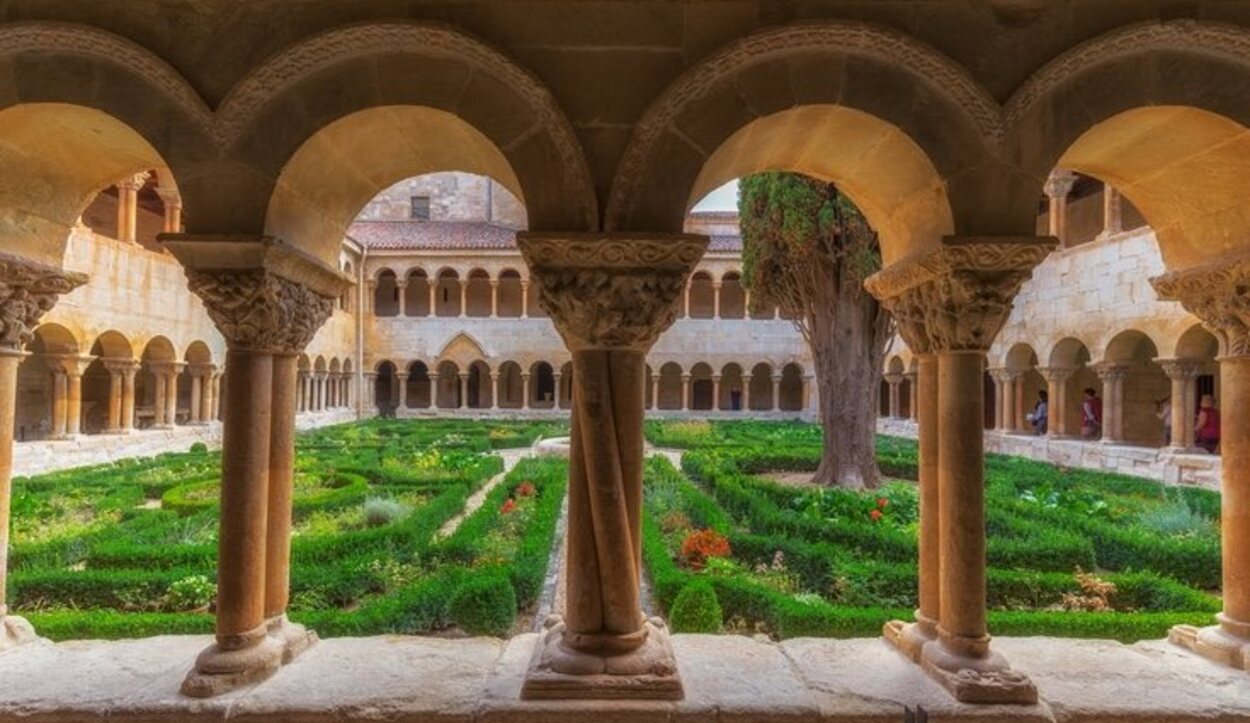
pixel 432 235
pixel 452 235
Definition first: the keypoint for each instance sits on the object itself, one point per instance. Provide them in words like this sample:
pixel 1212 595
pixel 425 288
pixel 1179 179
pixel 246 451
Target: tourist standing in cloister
pixel 1091 414
pixel 1207 428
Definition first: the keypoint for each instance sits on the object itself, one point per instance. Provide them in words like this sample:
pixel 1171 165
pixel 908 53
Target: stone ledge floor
pixel 727 678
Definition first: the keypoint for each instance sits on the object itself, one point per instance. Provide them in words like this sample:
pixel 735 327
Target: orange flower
pixel 508 506
pixel 882 502
pixel 875 515
pixel 526 489
pixel 699 546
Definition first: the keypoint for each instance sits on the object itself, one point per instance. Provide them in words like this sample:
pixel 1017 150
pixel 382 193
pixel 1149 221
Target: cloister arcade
pixel 946 145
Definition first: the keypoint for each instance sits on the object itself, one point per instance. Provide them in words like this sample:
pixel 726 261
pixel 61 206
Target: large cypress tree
pixel 807 249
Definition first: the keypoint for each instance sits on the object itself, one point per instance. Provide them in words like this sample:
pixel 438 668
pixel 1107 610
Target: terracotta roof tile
pixel 417 235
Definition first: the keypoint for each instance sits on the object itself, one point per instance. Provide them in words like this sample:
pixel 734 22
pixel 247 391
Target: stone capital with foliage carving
pixel 610 291
pixel 956 297
pixel 258 310
pixel 28 290
pixel 1217 293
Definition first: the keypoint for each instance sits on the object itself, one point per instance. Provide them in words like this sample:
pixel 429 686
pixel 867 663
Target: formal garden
pixel 735 540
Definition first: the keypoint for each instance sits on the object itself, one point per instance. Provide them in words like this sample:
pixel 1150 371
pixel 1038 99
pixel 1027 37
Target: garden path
pixel 477 499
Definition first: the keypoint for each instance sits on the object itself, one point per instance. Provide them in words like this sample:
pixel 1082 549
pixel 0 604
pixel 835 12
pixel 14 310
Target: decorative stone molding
pixel 1218 293
pixel 610 291
pixel 1056 375
pixel 1181 369
pixel 134 182
pixel 28 290
pixel 1059 184
pixel 260 293
pixel 1109 371
pixel 956 297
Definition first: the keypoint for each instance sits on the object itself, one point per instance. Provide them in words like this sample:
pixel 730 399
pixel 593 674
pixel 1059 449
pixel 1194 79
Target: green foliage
pixel 198 448
pixel 485 605
pixel 696 609
pixel 191 592
pixel 380 511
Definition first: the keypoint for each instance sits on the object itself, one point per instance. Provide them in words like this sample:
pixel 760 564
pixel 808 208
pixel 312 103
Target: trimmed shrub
pixel 696 609
pixel 484 605
pixel 380 511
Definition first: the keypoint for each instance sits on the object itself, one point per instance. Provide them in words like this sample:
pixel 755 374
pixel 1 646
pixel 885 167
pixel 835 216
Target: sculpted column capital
pixel 262 294
pixel 1218 294
pixel 1109 371
pixel 957 296
pixel 610 290
pixel 1059 183
pixel 134 182
pixel 1181 369
pixel 28 290
pixel 1056 375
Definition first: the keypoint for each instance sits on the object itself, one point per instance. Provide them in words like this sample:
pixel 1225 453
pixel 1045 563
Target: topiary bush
pixel 696 609
pixel 381 511
pixel 484 605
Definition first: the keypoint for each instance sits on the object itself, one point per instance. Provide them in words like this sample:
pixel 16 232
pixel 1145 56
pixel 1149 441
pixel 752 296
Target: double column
pixel 67 374
pixel 894 384
pixel 1219 295
pixel 1112 375
pixel 27 291
pixel 1183 373
pixel 949 304
pixel 610 296
pixel 267 300
pixel 1057 400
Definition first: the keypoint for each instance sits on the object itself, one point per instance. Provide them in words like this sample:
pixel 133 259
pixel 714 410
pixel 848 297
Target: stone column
pixel 913 395
pixel 1182 373
pixel 197 396
pixel 494 390
pixel 267 319
pixel 1022 404
pixel 610 296
pixel 687 393
pixel 401 384
pixel 1057 400
pixel 525 390
pixel 776 392
pixel 206 394
pixel 716 300
pixel 525 298
pixel 1112 211
pixel 171 395
pixel 74 368
pixel 400 286
pixel 555 397
pixel 114 424
pixel 1112 375
pixel 1005 386
pixel 895 382
pixel 1057 188
pixel 433 285
pixel 27 291
pixel 494 298
pixel 464 298
pixel 952 301
pixel 685 314
pixel 715 392
pixel 433 390
pixel 463 401
pixel 128 206
pixel 807 391
pixel 173 209
pixel 60 400
pixel 1219 295
pixel 128 396
pixel 746 393
pixel 217 395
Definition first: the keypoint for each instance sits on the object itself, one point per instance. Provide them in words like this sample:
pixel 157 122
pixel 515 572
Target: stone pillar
pixel 128 206
pixel 494 298
pixel 217 396
pixel 715 392
pixel 463 401
pixel 27 291
pixel 401 384
pixel 171 394
pixel 1057 188
pixel 433 390
pixel 433 295
pixel 1112 211
pixel 494 390
pixel 159 382
pixel 716 301
pixel 266 319
pixel 913 395
pixel 128 396
pixel 525 298
pixel 1018 422
pixel 1006 407
pixel 114 423
pixel 610 296
pixel 746 393
pixel 1057 400
pixel 464 298
pixel 60 401
pixel 555 397
pixel 197 396
pixel 895 382
pixel 525 390
pixel 401 285
pixel 776 392
pixel 1219 295
pixel 951 302
pixel 655 390
pixel 686 301
pixel 173 209
pixel 1182 373
pixel 687 393
pixel 1112 375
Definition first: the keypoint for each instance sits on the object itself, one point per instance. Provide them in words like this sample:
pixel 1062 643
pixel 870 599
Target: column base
pixel 910 638
pixel 1227 643
pixel 15 631
pixel 558 672
pixel 225 666
pixel 985 679
pixel 293 637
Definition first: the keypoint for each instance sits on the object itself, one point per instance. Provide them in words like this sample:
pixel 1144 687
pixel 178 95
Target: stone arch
pixel 731 388
pixel 386 293
pixel 761 387
pixel 790 394
pixel 417 292
pixel 1172 147
pixel 701 301
pixel 510 291
pixel 198 353
pixel 732 296
pixel 670 387
pixel 479 386
pixel 511 387
pixel 49 349
pixel 1144 385
pixel 417 394
pixel 542 385
pixel 447 293
pixel 477 295
pixel 701 387
pixel 303 112
pixel 463 349
pixel 385 388
pixel 1197 343
pixel 1072 355
pixel 723 119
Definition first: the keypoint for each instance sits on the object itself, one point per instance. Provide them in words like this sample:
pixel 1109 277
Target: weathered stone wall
pixel 452 196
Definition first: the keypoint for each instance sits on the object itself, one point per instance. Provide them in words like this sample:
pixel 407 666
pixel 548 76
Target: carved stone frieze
pixel 613 291
pixel 28 290
pixel 1218 293
pixel 259 310
pixel 957 296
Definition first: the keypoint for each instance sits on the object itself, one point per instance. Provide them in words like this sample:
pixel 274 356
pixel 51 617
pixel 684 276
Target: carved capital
pixel 956 297
pixel 1056 375
pixel 134 182
pixel 28 290
pixel 1218 294
pixel 1181 369
pixel 610 291
pixel 1110 371
pixel 1059 184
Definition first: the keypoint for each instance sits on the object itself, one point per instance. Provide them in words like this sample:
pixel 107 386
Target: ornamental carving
pixel 1111 372
pixel 28 290
pixel 256 310
pixel 1181 369
pixel 957 296
pixel 1219 295
pixel 606 292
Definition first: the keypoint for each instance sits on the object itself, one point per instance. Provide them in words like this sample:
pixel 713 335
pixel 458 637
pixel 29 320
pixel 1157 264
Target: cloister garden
pixel 447 527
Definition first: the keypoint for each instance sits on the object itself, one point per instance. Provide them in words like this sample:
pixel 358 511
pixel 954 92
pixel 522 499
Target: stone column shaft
pixel 716 299
pixel 401 384
pixel 1182 373
pixel 197 396
pixel 894 383
pixel 115 402
pixel 525 391
pixel 525 298
pixel 464 298
pixel 463 401
pixel 128 397
pixel 158 398
pixel 687 393
pixel 171 397
pixel 494 298
pixel 60 403
pixel 433 297
pixel 1112 376
pixel 1112 213
pixel 401 287
pixel 776 392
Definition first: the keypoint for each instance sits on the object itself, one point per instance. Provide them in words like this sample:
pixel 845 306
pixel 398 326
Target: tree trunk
pixel 847 340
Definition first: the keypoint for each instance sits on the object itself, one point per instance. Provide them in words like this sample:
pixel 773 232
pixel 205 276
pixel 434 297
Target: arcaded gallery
pixel 634 360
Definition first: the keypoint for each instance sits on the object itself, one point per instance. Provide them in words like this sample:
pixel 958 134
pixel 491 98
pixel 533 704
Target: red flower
pixel 875 515
pixel 508 506
pixel 526 489
pixel 699 546
pixel 882 502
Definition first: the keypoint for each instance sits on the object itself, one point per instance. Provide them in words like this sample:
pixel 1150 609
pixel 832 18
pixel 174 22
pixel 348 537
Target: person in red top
pixel 1207 428
pixel 1091 414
